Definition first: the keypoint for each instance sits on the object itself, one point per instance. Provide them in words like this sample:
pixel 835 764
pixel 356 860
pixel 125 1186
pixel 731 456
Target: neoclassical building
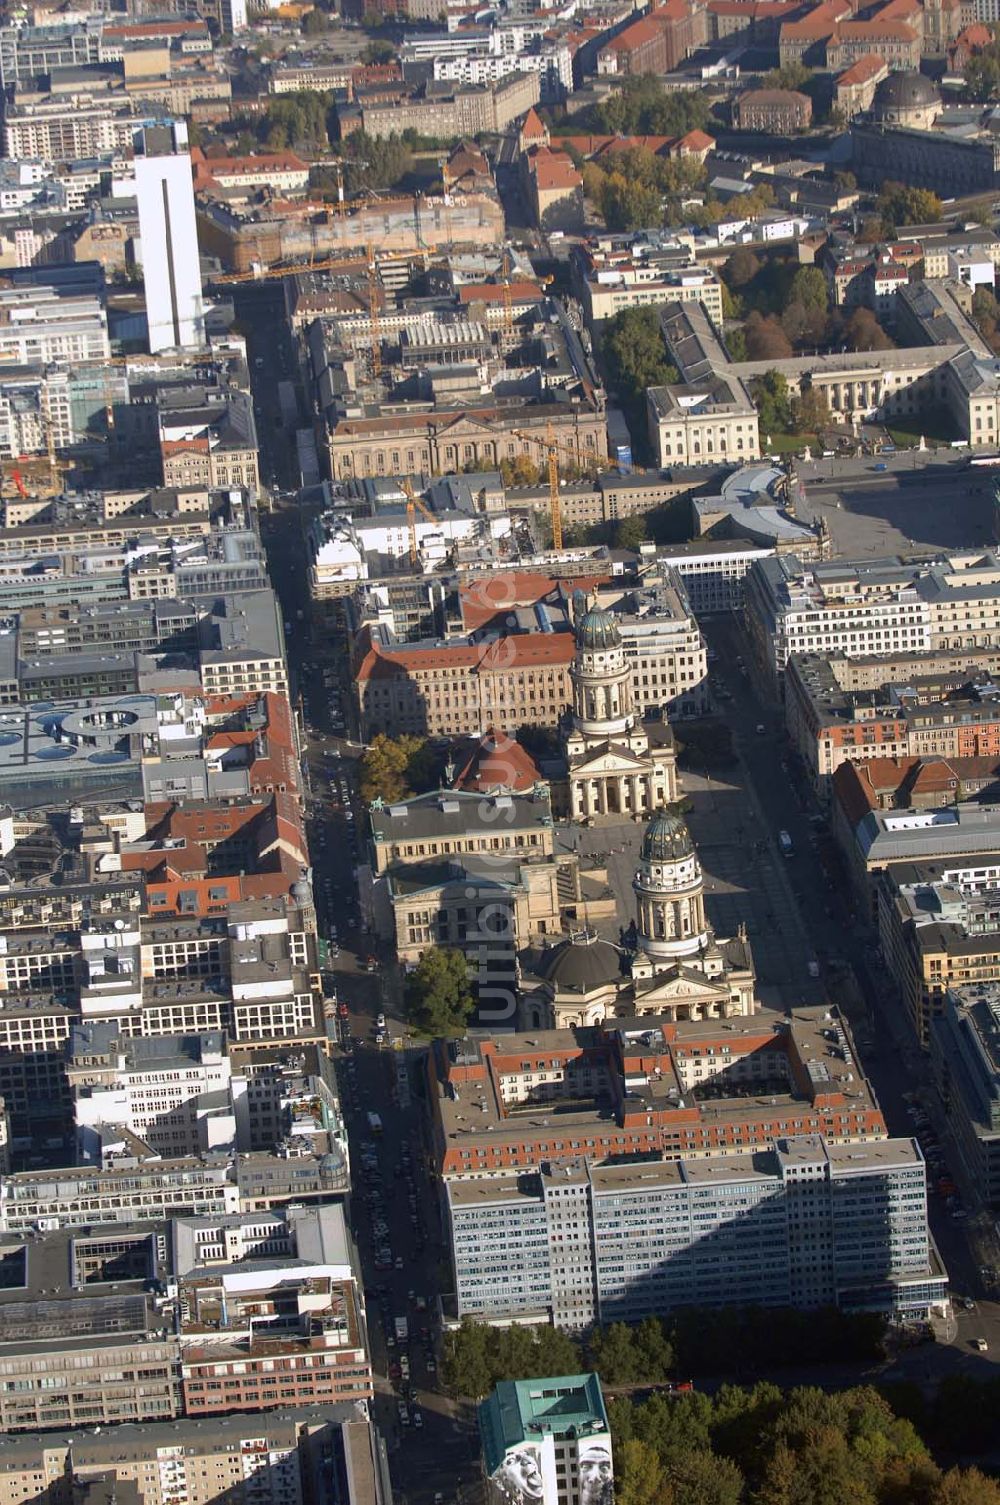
pixel 679 968
pixel 616 764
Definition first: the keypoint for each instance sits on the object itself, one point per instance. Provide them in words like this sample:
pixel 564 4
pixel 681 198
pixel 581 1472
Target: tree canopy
pixel 898 204
pixel 438 996
pixel 643 107
pixel 376 162
pixel 634 353
pixel 393 768
pixel 303 119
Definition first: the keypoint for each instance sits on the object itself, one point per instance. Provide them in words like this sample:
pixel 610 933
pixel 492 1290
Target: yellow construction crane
pixel 555 504
pixel 413 505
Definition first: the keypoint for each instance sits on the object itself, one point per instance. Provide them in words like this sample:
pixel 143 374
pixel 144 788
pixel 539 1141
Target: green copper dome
pixel 666 839
pixel 598 629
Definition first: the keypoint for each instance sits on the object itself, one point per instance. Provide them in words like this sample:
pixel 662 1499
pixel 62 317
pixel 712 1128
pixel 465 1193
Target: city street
pixel 822 912
pixel 795 908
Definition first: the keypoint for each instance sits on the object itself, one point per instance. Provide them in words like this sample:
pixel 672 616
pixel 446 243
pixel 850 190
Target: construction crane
pixel 413 505
pixel 19 483
pixel 552 448
pixel 374 298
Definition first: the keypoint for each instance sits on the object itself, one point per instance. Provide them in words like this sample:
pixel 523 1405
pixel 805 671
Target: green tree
pixel 378 51
pixel 701 1478
pixel 898 204
pixel 438 995
pixel 789 76
pixel 393 768
pixel 376 162
pixel 653 1350
pixel 809 287
pixel 612 1354
pixel 315 23
pixel 627 203
pixel 639 1476
pixel 982 74
pixel 634 352
pixel 466 1367
pixel 770 395
pixel 630 531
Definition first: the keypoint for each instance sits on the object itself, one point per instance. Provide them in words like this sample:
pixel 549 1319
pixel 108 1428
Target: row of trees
pixel 696 1341
pixel 635 358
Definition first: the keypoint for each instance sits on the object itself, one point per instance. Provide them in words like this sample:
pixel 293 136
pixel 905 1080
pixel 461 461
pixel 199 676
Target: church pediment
pixel 465 427
pixel 610 760
pixel 680 986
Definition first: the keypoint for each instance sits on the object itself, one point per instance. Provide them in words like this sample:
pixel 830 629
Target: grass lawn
pixel 935 427
pixel 788 444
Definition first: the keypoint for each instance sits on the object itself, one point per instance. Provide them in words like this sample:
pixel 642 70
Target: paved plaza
pixel 746 880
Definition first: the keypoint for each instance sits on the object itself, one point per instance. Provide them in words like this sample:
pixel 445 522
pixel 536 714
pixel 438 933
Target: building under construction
pixel 247 237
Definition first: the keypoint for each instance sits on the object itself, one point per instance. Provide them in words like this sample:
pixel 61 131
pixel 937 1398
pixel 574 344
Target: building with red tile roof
pixel 282 171
pixel 554 189
pixel 854 89
pixel 458 689
pixel 498 765
pixel 255 732
pixel 200 857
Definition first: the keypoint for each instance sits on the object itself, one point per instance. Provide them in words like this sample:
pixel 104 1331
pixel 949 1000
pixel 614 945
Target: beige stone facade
pixel 439 442
pixel 695 422
pixel 466 112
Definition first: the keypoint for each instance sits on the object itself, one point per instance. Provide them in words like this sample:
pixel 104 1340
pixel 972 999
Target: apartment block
pixel 889 607
pixel 938 932
pixel 953 716
pixel 269 1311
pixel 134 1185
pixel 45 323
pixel 801 1223
pixel 686 1096
pixel 284 1458
pixel 964 1041
pixel 175 1093
pixel 244 966
pixel 636 276
pixel 194 1316
pixel 875 825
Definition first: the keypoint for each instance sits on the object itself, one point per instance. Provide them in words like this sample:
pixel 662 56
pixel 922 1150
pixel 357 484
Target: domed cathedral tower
pixel 616 766
pixel 681 969
pixel 602 679
pixel 670 892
